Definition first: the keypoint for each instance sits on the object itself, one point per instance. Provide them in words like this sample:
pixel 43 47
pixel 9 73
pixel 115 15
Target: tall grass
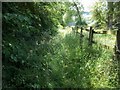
pixel 72 63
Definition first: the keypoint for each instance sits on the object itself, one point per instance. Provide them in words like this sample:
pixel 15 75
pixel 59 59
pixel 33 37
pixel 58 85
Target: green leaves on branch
pixel 27 29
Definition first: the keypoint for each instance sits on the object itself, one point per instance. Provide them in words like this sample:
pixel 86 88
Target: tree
pixel 110 14
pixel 80 21
pixel 27 29
pixel 99 14
pixel 117 25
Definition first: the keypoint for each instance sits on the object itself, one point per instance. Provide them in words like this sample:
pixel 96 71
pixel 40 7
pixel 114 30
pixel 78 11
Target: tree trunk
pixel 118 41
pixel 110 15
pixel 77 10
pixel 117 53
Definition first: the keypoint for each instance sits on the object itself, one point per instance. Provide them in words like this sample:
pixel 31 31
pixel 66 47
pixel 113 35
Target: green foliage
pixel 79 20
pixel 27 28
pixel 33 58
pixel 106 14
pixel 69 13
pixel 81 23
pixel 116 15
pixel 76 68
pixel 72 15
pixel 100 14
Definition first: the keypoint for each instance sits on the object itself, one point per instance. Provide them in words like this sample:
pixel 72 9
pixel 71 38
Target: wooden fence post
pixel 76 29
pixel 117 53
pixel 81 35
pixel 73 29
pixel 118 41
pixel 81 39
pixel 91 36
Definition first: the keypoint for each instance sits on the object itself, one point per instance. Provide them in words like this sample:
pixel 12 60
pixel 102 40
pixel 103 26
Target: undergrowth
pixel 72 63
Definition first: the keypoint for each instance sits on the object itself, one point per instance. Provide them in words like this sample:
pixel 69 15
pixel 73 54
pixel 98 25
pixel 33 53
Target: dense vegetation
pixel 27 27
pixel 36 54
pixel 106 14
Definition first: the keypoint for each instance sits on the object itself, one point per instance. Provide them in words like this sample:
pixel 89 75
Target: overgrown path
pixel 72 66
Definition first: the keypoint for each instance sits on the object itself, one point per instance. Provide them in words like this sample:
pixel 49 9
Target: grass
pixel 105 39
pixel 72 63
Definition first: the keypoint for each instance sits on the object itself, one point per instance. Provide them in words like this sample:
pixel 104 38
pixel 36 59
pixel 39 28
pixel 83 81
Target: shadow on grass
pixel 71 66
pixel 62 63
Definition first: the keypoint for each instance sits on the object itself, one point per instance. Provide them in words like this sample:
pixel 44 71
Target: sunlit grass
pixel 65 31
pixel 71 66
pixel 105 39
